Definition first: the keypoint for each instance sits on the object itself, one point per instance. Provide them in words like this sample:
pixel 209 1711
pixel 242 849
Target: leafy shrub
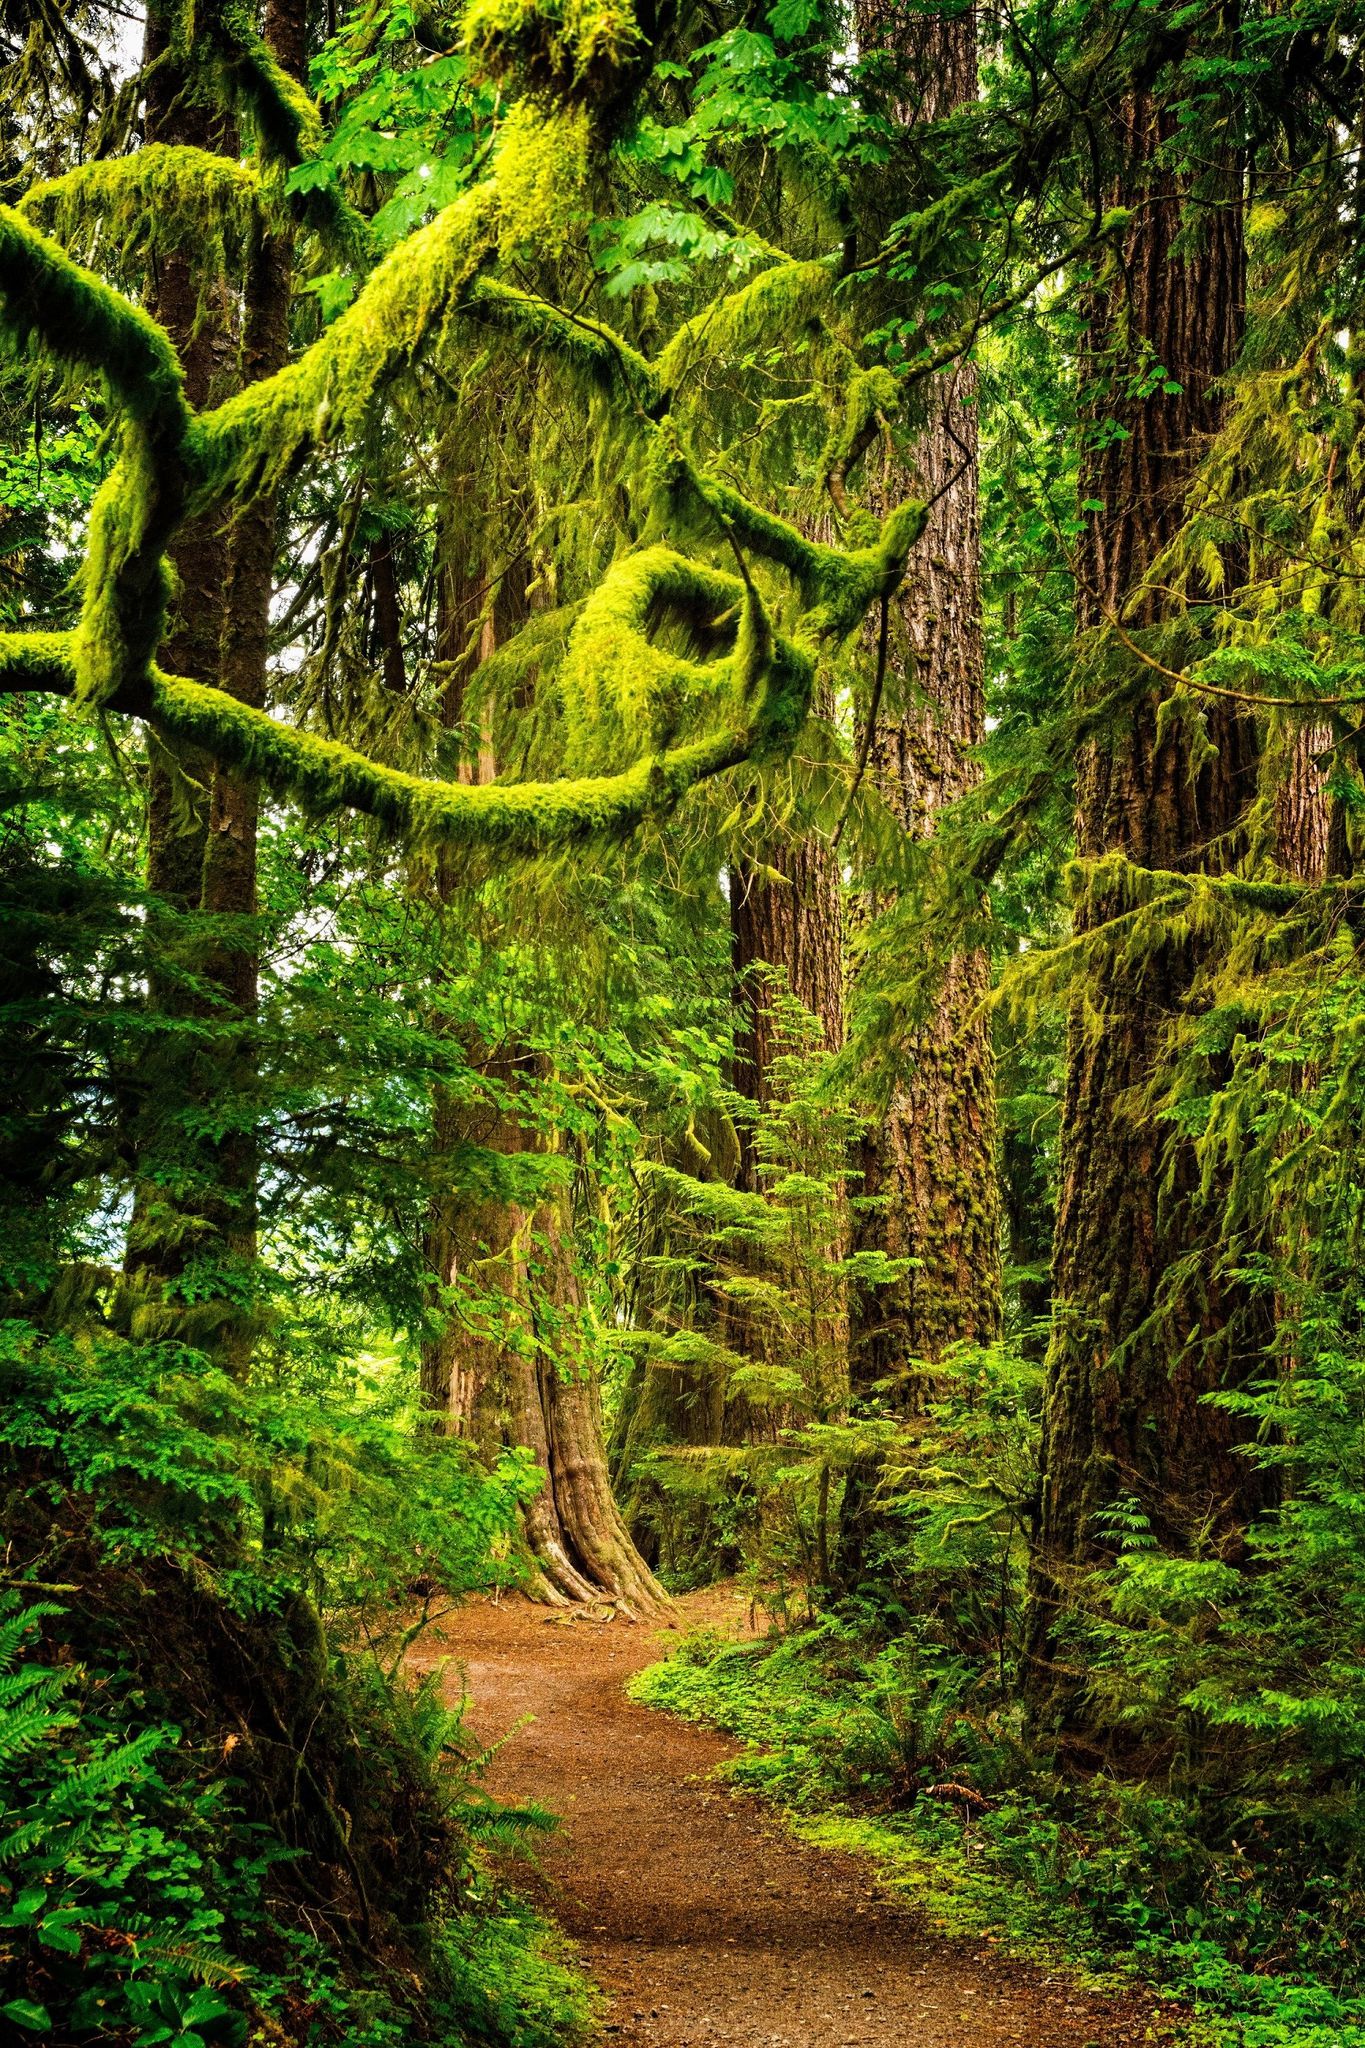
pixel 222 1804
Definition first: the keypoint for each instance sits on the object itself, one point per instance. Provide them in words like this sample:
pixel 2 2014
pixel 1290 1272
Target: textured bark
pixel 1304 836
pixel 459 1368
pixel 387 616
pixel 793 927
pixel 1123 1412
pixel 539 1394
pixel 931 1158
pixel 207 350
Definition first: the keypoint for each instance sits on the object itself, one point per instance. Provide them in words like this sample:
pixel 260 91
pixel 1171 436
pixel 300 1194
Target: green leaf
pixel 23 2012
pixel 790 19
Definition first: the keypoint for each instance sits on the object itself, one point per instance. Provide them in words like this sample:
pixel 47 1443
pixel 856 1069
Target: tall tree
pixel 928 1159
pixel 533 1382
pixel 785 925
pixel 202 814
pixel 1142 1327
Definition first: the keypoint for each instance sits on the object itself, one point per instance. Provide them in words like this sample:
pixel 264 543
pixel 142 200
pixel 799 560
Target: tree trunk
pixel 1304 838
pixel 202 818
pixel 1142 1328
pixel 542 1393
pixel 927 1166
pixel 792 927
pixel 929 1160
pixel 170 1194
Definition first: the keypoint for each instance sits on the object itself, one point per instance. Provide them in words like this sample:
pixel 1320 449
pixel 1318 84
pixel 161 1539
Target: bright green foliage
pixel 531 192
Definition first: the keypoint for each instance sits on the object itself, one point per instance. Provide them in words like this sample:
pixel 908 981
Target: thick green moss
pixel 584 51
pixel 76 319
pixel 673 670
pixel 160 198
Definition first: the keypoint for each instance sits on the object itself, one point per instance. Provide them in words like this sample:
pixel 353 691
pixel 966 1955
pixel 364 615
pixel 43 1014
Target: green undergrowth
pixel 1072 1882
pixel 227 1815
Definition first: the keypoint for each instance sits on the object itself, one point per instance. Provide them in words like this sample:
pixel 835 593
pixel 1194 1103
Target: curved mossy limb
pixel 283 120
pixel 125 581
pixel 838 586
pixel 521 818
pixel 78 319
pixel 785 303
pixel 37 664
pixel 616 683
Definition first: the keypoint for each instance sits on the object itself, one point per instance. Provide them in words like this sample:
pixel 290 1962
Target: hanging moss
pixel 75 318
pixel 599 358
pixel 125 211
pixel 249 444
pixel 584 52
pixel 673 669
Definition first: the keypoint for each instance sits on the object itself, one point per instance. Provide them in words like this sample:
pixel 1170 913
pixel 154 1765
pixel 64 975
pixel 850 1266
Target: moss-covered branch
pixel 249 443
pixel 164 196
pixel 324 775
pixel 77 319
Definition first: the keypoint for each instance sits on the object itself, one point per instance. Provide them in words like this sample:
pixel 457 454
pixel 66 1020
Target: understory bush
pixel 1214 1841
pixel 226 1813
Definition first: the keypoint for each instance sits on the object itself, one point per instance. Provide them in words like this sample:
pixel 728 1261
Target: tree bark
pixel 1304 837
pixel 1142 1327
pixel 542 1393
pixel 930 1159
pixel 794 928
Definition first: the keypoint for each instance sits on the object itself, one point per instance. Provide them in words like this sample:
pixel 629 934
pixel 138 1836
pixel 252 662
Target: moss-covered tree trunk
pixel 522 1376
pixel 1143 1327
pixel 199 1198
pixel 199 315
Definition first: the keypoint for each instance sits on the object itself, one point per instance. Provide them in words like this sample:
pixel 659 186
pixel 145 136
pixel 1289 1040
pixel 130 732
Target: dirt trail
pixel 704 1921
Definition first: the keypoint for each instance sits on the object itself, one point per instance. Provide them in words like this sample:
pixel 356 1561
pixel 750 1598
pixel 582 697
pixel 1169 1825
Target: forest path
pixel 704 1921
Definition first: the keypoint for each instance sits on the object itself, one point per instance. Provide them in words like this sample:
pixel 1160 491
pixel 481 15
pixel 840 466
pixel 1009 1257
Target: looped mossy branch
pixel 838 586
pixel 662 641
pixel 523 818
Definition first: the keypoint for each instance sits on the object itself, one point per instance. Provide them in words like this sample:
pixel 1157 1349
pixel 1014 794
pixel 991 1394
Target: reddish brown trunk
pixel 785 936
pixel 1303 808
pixel 1143 1328
pixel 930 1159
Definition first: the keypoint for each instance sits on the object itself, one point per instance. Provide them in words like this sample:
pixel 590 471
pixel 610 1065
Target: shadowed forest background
pixel 683 703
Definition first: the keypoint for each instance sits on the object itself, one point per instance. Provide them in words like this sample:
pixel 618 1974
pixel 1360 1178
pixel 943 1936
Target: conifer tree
pixel 1142 1328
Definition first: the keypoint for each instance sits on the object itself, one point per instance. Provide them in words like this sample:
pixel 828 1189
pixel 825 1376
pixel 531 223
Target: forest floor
pixel 702 1918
